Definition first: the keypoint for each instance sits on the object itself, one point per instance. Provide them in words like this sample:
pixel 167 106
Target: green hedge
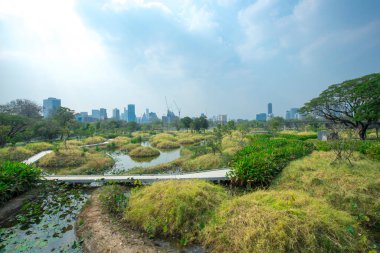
pixel 259 163
pixel 16 178
pixel 298 137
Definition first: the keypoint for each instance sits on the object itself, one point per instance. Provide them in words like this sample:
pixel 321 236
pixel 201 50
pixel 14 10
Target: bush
pixel 374 151
pixel 301 137
pixel 259 163
pixel 144 152
pixel 16 178
pixel 282 221
pixel 37 147
pixel 354 189
pixel 15 154
pixel 174 208
pixel 113 198
pixel 94 140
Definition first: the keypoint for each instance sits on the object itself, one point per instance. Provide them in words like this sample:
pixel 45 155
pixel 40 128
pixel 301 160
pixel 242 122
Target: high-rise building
pixel 293 113
pixel 221 119
pixel 116 114
pixel 261 117
pixel 131 113
pixel 270 108
pixel 95 114
pixel 50 106
pixel 103 113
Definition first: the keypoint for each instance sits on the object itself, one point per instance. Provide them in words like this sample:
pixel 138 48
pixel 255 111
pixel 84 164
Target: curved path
pixel 212 175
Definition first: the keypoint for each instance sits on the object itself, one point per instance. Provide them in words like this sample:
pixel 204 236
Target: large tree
pixel 22 107
pixel 11 127
pixel 353 103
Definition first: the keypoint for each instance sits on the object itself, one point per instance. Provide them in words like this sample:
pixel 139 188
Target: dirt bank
pixel 101 233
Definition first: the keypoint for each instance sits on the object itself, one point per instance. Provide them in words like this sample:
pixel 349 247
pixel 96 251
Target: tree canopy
pixel 354 103
pixel 22 107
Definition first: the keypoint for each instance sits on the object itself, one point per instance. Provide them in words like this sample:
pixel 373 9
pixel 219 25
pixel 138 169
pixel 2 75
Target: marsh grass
pixel 167 145
pixel 203 162
pixel 129 147
pixel 94 140
pixel 144 152
pixel 282 221
pixel 174 208
pixel 15 153
pixel 352 188
pixel 37 147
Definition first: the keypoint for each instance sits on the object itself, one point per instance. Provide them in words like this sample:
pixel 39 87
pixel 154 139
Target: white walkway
pixel 212 175
pixel 37 157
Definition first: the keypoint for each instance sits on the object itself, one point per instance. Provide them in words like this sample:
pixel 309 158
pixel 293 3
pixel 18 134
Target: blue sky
pixel 216 57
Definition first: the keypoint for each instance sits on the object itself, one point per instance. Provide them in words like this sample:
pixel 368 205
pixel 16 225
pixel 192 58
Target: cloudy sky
pixel 217 57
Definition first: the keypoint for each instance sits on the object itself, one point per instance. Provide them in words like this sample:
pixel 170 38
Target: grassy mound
pixel 71 144
pixel 94 140
pixel 282 221
pixel 63 158
pixel 203 162
pixel 15 153
pixel 162 137
pixel 144 152
pixel 167 145
pixel 129 147
pixel 121 141
pixel 16 178
pixel 174 208
pixel 354 189
pixel 37 147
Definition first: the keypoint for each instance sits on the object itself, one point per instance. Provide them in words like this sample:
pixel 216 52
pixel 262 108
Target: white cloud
pixel 197 18
pixel 123 5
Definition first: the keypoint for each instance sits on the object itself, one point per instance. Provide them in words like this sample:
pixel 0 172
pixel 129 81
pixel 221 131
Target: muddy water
pixel 45 224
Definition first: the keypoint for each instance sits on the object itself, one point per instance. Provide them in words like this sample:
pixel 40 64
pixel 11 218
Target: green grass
pixel 203 162
pixel 15 153
pixel 16 178
pixel 354 189
pixel 144 152
pixel 167 145
pixel 37 147
pixel 94 140
pixel 174 208
pixel 282 221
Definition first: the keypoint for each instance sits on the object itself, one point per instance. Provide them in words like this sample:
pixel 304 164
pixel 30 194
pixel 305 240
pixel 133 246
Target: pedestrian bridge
pixel 212 175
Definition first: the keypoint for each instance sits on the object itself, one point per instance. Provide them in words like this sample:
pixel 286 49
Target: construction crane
pixel 179 110
pixel 167 107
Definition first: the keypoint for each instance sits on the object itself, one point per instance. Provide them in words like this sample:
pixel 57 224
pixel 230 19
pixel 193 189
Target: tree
pixel 22 107
pixel 186 121
pixel 65 119
pixel 47 128
pixel 354 103
pixel 275 123
pixel 11 126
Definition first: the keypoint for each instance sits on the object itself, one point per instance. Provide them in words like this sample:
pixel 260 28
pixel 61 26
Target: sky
pixel 212 56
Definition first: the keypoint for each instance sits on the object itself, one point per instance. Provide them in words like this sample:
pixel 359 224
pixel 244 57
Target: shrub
pixel 94 140
pixel 354 189
pixel 282 221
pixel 144 152
pixel 301 137
pixel 167 145
pixel 15 154
pixel 174 208
pixel 259 163
pixel 204 162
pixel 16 178
pixel 37 147
pixel 374 151
pixel 113 198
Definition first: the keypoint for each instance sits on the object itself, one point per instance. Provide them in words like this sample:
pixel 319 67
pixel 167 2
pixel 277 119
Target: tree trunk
pixel 363 131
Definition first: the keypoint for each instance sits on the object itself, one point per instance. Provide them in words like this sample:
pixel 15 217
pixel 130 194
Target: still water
pixel 124 162
pixel 45 224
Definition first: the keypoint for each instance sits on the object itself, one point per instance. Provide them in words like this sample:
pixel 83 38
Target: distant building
pixel 116 114
pixel 50 106
pixel 84 117
pixel 170 117
pixel 95 114
pixel 261 117
pixel 131 113
pixel 103 113
pixel 293 113
pixel 148 117
pixel 270 108
pixel 221 119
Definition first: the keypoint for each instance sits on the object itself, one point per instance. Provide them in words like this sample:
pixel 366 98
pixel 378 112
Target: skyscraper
pixel 131 113
pixel 116 114
pixel 50 106
pixel 270 108
pixel 261 117
pixel 95 114
pixel 103 113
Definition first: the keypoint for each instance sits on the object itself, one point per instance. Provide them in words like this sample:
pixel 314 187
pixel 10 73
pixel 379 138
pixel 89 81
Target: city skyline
pixel 214 57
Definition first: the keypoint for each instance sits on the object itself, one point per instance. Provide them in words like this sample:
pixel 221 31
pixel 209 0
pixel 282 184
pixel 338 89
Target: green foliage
pixel 12 128
pixel 176 208
pixel 37 147
pixel 113 198
pixel 259 163
pixel 15 153
pixel 203 162
pixel 282 221
pixel 16 178
pixel 144 152
pixel 354 189
pixel 353 103
pixel 137 139
pixel 94 140
pixel 298 137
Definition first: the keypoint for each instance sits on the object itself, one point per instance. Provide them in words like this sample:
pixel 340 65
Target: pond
pixel 45 224
pixel 124 162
